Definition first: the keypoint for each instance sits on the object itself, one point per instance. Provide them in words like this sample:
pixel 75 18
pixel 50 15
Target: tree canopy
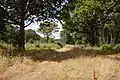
pixel 47 28
pixel 19 12
pixel 86 19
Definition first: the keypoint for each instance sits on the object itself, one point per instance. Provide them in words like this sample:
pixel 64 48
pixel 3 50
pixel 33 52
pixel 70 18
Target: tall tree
pixel 2 23
pixel 88 17
pixel 19 12
pixel 46 28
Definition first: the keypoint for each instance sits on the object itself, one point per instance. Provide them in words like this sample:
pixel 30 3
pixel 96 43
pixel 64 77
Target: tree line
pixel 91 21
pixel 84 21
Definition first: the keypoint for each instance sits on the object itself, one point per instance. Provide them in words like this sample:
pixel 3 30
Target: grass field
pixel 68 63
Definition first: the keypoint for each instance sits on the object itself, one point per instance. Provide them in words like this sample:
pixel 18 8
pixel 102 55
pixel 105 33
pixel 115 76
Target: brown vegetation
pixel 70 63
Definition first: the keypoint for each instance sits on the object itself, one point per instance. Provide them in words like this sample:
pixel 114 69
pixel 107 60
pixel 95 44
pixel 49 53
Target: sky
pixel 34 26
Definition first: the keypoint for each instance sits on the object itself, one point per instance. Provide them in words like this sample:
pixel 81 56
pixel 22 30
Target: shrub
pixel 49 46
pixel 107 47
pixel 60 44
pixel 37 45
pixel 29 46
pixel 117 47
pixel 41 46
pixel 31 41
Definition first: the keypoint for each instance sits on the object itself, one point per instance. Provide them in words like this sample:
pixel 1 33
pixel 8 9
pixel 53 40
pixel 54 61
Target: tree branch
pixel 27 5
pixel 6 21
pixel 30 22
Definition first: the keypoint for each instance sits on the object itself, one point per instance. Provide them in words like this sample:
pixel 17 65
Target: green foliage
pixel 43 40
pixel 107 47
pixel 117 48
pixel 10 35
pixel 67 37
pixel 51 40
pixel 25 12
pixel 60 42
pixel 31 41
pixel 46 28
pixel 31 35
pixel 37 44
pixel 29 46
pixel 110 47
pixel 41 46
pixel 88 18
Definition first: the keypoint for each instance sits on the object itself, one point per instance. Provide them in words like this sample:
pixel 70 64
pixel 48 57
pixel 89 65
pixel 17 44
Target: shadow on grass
pixel 60 55
pixel 52 55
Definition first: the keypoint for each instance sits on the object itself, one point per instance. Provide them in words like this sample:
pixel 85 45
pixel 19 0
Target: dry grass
pixel 71 67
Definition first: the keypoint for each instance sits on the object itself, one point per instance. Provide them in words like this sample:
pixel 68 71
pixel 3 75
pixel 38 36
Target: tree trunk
pixel 93 41
pixel 47 39
pixel 22 35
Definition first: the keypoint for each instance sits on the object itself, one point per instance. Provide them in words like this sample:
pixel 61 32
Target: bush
pixel 60 44
pixel 49 46
pixel 107 47
pixel 37 44
pixel 117 48
pixel 31 41
pixel 41 46
pixel 29 46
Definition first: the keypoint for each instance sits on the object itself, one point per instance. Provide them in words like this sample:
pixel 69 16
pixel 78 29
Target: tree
pixel 31 35
pixel 88 17
pixel 2 24
pixel 9 34
pixel 46 28
pixel 67 37
pixel 3 29
pixel 19 12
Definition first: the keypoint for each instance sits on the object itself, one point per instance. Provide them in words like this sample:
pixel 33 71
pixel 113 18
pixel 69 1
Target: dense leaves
pixel 31 35
pixel 9 35
pixel 42 9
pixel 19 12
pixel 87 20
pixel 46 28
